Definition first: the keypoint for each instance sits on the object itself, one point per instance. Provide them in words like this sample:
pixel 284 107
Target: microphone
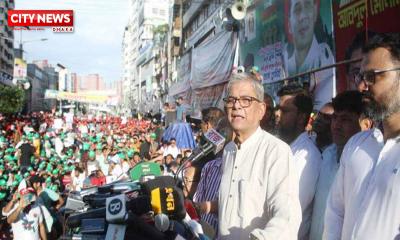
pixel 215 143
pixel 177 229
pixel 161 222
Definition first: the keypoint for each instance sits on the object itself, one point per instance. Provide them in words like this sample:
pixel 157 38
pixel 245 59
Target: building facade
pixel 147 22
pixel 6 44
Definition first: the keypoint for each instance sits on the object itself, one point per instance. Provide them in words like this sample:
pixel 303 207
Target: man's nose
pixel 236 104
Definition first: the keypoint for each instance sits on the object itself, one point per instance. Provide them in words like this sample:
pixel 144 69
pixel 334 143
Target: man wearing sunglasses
pixel 258 195
pixel 364 201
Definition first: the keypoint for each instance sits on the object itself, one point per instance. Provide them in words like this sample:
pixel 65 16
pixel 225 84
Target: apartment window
pixel 162 12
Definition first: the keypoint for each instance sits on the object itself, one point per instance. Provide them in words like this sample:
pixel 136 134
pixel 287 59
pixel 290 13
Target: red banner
pixel 355 21
pixel 40 18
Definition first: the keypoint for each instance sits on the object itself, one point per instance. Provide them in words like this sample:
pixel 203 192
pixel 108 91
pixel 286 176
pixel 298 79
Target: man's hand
pixel 22 203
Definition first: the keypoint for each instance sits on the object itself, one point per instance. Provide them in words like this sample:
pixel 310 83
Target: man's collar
pixel 249 141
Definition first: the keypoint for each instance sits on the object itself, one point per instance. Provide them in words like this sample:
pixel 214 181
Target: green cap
pixel 54 188
pixel 10 150
pixel 121 155
pixel 30 169
pixel 130 153
pixel 99 146
pixel 85 146
pixel 153 136
pixel 92 154
pixel 55 171
pixel 18 177
pixel 1 167
pixel 3 183
pixel 15 183
pixel 26 175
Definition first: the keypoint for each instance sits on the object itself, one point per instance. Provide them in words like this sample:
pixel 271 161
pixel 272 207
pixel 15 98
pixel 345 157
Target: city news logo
pixel 58 20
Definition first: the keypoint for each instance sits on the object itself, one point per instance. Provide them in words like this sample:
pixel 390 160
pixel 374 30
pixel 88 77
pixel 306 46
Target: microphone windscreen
pixel 170 201
pixel 139 205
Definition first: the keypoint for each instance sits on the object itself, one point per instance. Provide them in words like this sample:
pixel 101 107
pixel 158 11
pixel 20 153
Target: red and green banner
pixel 355 21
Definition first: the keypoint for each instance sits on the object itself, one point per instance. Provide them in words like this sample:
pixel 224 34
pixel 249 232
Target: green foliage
pixel 161 29
pixel 11 99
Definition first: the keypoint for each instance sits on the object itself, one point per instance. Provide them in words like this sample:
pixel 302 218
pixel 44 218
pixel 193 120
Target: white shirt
pixel 58 123
pixel 27 225
pixel 307 160
pixel 174 151
pixel 259 190
pixel 78 181
pixel 59 146
pixel 319 55
pixel 348 196
pixel 329 168
pixel 117 171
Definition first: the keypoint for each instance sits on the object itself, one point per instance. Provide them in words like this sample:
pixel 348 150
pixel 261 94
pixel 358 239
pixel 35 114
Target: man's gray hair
pixel 247 77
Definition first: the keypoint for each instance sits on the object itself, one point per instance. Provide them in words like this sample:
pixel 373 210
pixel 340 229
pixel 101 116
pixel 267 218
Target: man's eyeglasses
pixel 244 101
pixel 369 77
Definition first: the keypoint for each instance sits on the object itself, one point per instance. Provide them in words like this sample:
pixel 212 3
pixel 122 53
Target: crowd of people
pixel 43 156
pixel 286 171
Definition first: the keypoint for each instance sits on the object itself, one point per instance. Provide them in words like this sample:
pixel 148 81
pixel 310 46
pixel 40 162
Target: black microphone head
pixel 170 201
pixel 139 205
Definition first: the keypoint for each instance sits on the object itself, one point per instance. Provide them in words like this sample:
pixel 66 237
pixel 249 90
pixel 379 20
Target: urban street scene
pixel 200 119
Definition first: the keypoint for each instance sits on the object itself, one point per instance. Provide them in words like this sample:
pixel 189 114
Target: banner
pixel 208 97
pixel 355 22
pixel 183 83
pixel 20 68
pixel 212 61
pixel 285 38
pixel 80 97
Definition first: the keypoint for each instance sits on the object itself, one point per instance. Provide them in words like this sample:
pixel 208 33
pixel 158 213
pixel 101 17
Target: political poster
pixel 355 22
pixel 289 38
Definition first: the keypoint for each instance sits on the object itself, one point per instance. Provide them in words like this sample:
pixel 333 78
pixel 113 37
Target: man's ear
pixel 209 126
pixel 261 110
pixel 366 124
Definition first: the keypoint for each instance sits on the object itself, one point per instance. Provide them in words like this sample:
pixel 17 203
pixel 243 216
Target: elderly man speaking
pixel 258 197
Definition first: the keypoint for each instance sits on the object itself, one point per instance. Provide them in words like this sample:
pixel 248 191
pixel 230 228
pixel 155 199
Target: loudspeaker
pixel 238 10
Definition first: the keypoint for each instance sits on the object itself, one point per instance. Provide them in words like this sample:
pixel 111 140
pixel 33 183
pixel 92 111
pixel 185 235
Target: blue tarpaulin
pixel 183 134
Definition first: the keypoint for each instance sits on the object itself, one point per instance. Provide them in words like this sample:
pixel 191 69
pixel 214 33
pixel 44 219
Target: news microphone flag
pixel 170 201
pixel 216 139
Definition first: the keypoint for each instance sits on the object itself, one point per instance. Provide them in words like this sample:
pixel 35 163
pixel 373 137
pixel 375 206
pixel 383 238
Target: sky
pixel 95 46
